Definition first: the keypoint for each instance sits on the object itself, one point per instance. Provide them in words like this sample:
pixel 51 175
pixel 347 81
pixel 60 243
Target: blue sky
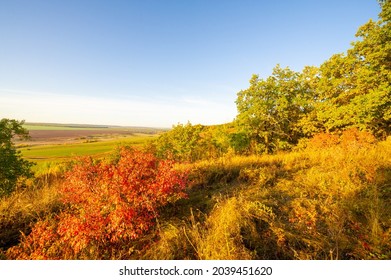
pixel 158 63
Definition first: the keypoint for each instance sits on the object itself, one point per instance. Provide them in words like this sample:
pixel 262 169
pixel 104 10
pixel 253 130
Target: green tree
pixel 269 110
pixel 182 142
pixel 196 142
pixel 355 87
pixel 349 90
pixel 13 169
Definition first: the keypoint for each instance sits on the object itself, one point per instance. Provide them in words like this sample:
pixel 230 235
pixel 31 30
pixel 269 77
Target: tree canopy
pixel 349 90
pixel 13 169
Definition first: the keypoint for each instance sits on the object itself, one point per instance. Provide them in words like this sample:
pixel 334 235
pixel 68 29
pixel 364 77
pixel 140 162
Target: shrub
pixel 349 138
pixel 109 205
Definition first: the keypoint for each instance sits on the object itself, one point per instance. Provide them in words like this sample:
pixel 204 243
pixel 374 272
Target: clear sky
pixel 158 63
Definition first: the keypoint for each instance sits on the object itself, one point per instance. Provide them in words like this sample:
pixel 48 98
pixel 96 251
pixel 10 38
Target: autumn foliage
pixel 348 139
pixel 109 204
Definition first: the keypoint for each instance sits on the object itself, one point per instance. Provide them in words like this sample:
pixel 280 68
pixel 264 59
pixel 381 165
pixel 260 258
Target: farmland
pixel 56 142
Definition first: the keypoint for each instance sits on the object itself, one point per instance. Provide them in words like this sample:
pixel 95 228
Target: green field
pixel 96 143
pixel 50 152
pixel 53 153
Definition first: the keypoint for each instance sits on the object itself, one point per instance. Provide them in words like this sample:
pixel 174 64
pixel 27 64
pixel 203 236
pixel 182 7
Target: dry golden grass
pixel 320 202
pixel 23 208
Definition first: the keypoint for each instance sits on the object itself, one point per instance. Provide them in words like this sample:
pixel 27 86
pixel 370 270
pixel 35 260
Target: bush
pixel 351 138
pixel 109 205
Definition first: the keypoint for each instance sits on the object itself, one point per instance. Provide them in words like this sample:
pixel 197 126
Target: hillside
pixel 303 172
pixel 327 201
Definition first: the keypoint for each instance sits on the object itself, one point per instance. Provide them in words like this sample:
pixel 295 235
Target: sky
pixel 158 63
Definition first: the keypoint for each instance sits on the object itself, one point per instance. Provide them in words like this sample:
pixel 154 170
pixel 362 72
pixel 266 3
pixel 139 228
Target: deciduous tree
pixel 270 109
pixel 13 168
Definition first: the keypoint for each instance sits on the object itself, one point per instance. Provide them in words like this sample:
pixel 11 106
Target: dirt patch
pixel 39 137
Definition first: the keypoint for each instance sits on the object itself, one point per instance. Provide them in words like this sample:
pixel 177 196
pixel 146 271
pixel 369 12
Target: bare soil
pixel 39 137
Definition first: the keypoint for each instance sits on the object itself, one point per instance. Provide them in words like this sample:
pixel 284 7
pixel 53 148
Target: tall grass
pixel 23 208
pixel 318 203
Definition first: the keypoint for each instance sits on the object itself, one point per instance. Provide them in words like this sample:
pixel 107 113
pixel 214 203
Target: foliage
pixel 354 88
pixel 195 142
pixel 13 168
pixel 349 90
pixel 109 206
pixel 183 142
pixel 349 138
pixel 269 110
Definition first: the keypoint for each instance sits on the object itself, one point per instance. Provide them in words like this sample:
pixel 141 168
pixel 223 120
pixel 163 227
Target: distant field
pixel 57 142
pixel 63 151
pixel 53 127
pixel 51 133
pixel 66 127
pixel 76 135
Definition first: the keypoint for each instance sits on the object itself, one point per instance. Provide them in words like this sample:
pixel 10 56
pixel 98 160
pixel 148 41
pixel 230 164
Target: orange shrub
pixel 349 138
pixel 355 138
pixel 323 140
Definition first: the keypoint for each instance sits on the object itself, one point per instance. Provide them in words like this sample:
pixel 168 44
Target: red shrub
pixel 109 204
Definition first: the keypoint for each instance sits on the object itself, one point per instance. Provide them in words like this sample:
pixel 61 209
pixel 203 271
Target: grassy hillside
pixel 303 172
pixel 326 201
pixel 320 203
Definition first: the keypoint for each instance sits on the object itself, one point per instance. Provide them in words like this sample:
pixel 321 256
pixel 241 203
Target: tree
pixel 182 142
pixel 13 168
pixel 269 110
pixel 355 87
pixel 349 90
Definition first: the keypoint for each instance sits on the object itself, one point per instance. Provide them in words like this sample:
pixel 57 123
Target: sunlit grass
pixel 314 203
pixel 328 203
pixel 23 208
